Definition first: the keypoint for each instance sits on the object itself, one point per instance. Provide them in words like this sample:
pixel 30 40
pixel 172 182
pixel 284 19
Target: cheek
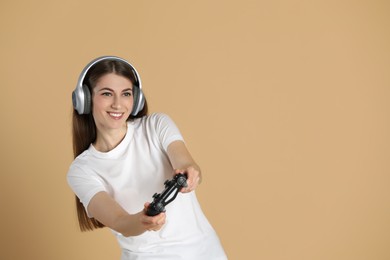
pixel 129 102
pixel 97 104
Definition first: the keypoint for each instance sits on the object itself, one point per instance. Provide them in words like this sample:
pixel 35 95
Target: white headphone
pixel 81 96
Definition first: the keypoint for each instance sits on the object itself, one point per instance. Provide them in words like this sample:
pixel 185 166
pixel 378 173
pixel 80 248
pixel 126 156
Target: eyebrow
pixel 109 89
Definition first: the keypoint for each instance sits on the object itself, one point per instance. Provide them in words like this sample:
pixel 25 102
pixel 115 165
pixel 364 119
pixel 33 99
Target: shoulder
pixel 78 165
pixel 154 120
pixel 81 164
pixel 158 117
pixel 81 159
pixel 159 127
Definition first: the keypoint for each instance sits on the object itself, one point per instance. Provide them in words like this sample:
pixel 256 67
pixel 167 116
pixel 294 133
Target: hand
pixel 152 223
pixel 193 178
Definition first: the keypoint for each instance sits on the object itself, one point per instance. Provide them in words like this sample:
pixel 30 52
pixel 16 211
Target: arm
pixel 182 162
pixel 107 211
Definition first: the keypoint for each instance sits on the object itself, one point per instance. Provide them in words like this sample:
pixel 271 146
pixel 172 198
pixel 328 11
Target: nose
pixel 116 103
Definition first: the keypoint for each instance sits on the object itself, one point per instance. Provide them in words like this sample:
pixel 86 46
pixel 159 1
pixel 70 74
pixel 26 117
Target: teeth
pixel 116 114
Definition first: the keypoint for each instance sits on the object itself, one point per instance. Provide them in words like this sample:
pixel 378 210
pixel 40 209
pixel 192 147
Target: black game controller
pixel 160 200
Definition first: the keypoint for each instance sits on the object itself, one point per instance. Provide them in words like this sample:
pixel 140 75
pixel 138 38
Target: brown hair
pixel 84 128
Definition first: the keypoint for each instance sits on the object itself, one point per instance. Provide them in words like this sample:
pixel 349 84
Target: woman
pixel 122 157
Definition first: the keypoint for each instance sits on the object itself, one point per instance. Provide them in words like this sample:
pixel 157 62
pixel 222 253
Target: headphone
pixel 81 96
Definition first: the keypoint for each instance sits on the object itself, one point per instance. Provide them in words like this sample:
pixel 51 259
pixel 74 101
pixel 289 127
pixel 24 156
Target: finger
pixel 161 222
pixel 193 183
pixel 179 171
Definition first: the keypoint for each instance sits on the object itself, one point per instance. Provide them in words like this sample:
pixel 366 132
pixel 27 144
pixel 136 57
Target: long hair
pixel 84 128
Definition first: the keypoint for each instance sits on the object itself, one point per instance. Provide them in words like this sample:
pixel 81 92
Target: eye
pixel 127 94
pixel 107 94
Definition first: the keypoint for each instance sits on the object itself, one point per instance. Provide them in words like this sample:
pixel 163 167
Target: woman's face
pixel 112 101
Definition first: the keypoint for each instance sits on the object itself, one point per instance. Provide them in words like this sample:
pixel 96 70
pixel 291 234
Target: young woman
pixel 122 157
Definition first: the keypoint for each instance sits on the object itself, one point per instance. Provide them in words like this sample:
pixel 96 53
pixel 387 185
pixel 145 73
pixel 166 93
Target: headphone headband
pixel 81 96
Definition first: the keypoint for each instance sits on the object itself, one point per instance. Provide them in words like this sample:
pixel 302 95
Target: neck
pixel 106 140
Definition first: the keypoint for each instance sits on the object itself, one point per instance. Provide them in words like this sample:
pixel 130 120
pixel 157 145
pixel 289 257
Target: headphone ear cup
pixel 87 100
pixel 134 111
pixel 138 101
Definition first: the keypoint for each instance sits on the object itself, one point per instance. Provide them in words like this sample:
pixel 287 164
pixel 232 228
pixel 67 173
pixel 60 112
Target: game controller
pixel 164 198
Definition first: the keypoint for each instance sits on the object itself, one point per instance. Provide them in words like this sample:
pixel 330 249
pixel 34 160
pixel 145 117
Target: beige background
pixel 284 104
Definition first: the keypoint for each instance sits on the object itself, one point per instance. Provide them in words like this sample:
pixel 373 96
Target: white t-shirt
pixel 131 173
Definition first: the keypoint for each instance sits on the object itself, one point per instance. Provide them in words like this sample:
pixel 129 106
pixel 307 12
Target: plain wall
pixel 284 104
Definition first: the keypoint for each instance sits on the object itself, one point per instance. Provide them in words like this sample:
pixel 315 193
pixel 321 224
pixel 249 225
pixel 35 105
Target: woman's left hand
pixel 193 178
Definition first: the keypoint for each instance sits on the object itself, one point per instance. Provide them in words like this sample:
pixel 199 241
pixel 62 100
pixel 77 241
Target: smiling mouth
pixel 116 115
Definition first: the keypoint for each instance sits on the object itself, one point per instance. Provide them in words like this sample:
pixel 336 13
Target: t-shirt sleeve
pixel 166 129
pixel 84 185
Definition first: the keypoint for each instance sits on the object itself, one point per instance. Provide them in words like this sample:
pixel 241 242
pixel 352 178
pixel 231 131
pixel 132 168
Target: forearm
pixel 129 225
pixel 180 157
pixel 182 161
pixel 137 224
pixel 107 211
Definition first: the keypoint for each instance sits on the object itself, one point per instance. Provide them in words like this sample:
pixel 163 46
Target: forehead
pixel 113 81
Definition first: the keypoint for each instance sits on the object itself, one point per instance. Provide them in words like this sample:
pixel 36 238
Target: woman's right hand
pixel 152 223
